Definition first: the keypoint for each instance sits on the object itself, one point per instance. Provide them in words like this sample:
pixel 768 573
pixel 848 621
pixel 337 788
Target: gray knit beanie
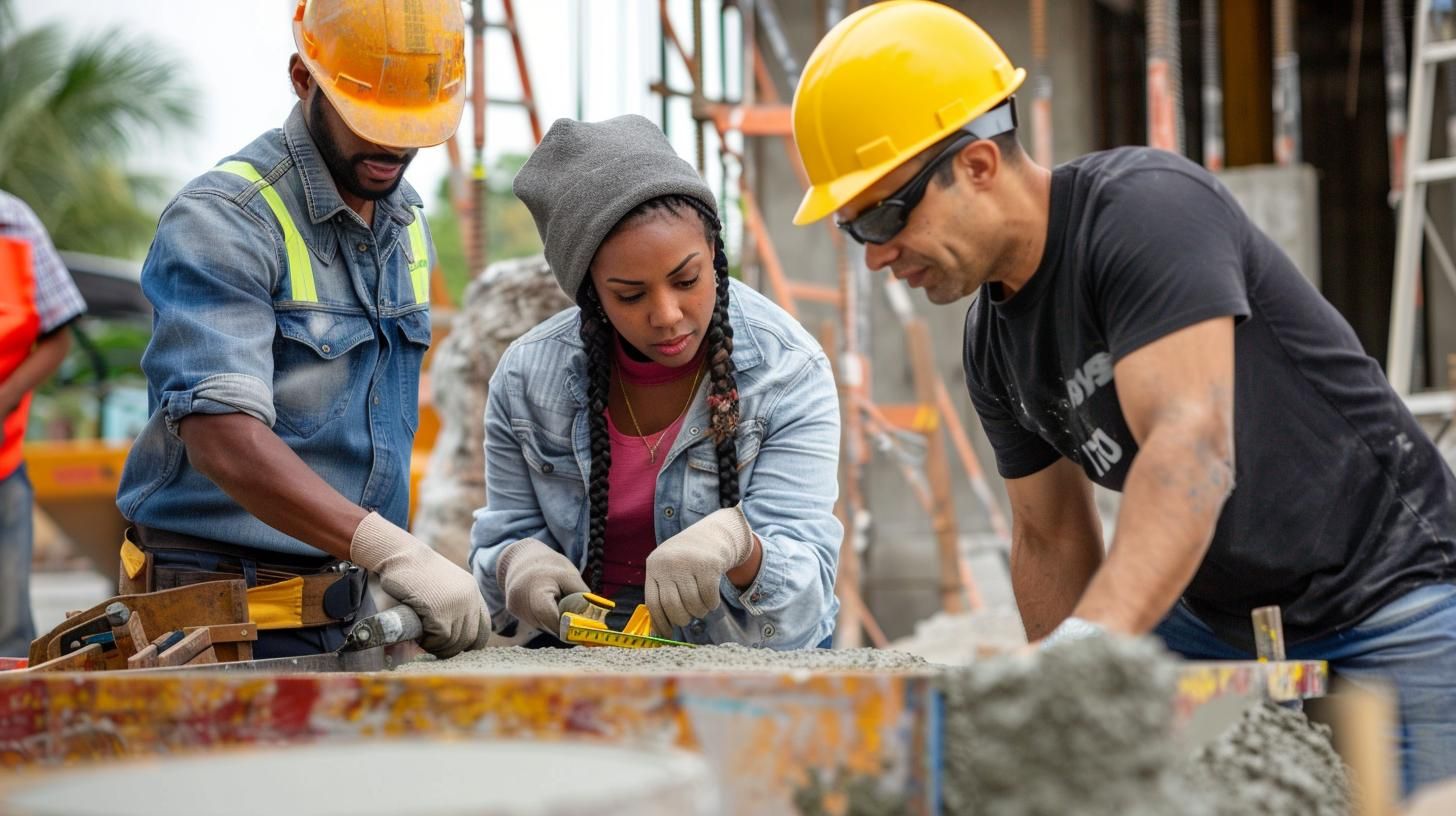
pixel 584 176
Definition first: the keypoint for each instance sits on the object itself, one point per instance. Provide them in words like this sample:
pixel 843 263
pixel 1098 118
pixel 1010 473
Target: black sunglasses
pixel 884 220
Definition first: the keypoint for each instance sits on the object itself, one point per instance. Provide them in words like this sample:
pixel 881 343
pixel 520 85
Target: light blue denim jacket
pixel 337 378
pixel 538 462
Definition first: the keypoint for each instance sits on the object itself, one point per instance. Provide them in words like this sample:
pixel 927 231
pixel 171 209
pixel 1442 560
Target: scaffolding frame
pixel 468 196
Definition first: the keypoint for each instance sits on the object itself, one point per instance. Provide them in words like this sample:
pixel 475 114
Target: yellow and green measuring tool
pixel 584 622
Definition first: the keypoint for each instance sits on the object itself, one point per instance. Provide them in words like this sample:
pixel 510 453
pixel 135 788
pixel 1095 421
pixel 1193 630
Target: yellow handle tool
pixel 584 622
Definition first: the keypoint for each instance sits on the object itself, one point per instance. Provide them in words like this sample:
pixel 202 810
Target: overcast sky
pixel 236 55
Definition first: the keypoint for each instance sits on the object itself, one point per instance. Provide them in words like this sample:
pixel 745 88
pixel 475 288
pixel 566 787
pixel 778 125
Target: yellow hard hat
pixel 394 69
pixel 884 84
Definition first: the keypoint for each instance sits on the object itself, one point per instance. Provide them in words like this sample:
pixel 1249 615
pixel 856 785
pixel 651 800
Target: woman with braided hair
pixel 673 440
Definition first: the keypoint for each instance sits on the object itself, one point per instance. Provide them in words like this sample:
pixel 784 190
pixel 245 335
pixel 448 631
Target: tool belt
pixel 285 591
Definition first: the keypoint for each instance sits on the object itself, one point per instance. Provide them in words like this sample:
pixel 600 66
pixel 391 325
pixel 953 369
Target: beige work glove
pixel 684 572
pixel 535 578
pixel 445 596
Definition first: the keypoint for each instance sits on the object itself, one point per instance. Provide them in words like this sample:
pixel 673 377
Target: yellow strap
pixel 277 606
pixel 132 559
pixel 419 268
pixel 300 268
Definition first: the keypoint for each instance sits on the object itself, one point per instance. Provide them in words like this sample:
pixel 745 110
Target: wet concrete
pixel 1081 728
pixel 727 657
pixel 1273 761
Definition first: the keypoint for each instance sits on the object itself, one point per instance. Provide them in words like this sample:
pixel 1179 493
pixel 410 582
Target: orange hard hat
pixel 394 69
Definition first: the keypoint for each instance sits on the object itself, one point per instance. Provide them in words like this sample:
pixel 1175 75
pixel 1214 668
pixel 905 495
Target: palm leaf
pixel 69 116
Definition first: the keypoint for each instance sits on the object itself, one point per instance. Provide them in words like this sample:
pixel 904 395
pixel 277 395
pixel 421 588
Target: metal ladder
pixel 1415 229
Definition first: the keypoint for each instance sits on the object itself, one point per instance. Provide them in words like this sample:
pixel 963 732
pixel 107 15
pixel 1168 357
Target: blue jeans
pixel 17 629
pixel 1409 644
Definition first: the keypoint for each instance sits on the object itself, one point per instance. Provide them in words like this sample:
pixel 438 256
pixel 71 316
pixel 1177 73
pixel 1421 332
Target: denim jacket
pixel 538 463
pixel 333 369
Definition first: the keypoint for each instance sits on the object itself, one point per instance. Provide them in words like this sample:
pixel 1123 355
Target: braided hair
pixel 597 334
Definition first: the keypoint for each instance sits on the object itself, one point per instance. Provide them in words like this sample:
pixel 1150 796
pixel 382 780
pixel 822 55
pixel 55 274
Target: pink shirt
pixel 632 482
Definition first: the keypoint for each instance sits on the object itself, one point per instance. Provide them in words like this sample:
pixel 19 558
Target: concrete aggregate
pixel 1274 761
pixel 725 657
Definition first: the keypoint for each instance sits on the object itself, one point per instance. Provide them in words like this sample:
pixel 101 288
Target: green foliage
pixel 104 365
pixel 510 231
pixel 69 114
pixel 110 350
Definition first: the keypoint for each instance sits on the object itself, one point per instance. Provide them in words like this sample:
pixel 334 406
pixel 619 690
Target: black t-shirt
pixel 1341 503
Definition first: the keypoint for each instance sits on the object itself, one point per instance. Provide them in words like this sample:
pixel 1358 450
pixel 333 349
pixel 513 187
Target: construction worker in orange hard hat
pixel 292 313
pixel 1130 327
pixel 380 80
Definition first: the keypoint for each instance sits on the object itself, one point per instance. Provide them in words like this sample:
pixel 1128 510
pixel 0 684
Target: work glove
pixel 1072 629
pixel 684 572
pixel 535 578
pixel 445 596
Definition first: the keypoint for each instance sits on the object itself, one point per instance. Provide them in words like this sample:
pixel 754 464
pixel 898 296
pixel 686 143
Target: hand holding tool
pixel 375 643
pixel 535 579
pixel 444 595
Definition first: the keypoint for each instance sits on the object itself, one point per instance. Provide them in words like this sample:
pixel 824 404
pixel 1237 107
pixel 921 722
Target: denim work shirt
pixel 538 462
pixel 335 374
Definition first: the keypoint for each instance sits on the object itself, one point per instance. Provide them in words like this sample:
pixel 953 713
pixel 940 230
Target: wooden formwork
pixel 775 738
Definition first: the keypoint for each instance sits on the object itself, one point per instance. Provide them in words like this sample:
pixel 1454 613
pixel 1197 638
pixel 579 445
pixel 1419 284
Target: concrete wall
pixel 1284 203
pixel 901 569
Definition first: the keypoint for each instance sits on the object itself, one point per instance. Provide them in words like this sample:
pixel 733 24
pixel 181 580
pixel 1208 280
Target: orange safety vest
pixel 19 328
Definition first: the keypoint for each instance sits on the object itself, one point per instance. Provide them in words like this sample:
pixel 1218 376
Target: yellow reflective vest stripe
pixel 300 267
pixel 419 268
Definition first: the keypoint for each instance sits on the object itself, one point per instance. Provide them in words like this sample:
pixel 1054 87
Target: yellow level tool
pixel 584 622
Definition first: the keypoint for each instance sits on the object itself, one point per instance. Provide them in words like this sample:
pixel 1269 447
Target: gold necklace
pixel 652 448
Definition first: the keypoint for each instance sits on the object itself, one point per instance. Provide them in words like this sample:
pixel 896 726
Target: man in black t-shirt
pixel 1131 328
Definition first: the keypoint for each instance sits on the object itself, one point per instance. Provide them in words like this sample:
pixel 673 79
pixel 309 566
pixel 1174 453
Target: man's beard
pixel 345 169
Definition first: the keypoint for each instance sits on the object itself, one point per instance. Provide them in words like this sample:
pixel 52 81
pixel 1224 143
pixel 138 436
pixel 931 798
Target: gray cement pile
pixel 1274 761
pixel 724 658
pixel 1087 728
pixel 1081 728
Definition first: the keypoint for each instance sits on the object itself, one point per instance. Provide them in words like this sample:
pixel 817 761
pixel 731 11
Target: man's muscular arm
pixel 1056 544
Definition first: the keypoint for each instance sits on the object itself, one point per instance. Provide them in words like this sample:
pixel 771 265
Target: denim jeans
pixel 17 629
pixel 1409 644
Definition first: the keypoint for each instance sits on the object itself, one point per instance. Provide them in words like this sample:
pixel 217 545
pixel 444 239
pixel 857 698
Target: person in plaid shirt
pixel 38 300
